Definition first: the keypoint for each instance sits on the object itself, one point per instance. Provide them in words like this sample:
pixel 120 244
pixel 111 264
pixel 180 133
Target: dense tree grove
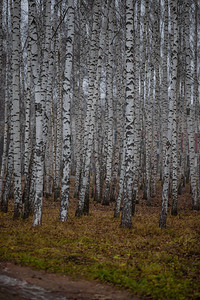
pixel 107 91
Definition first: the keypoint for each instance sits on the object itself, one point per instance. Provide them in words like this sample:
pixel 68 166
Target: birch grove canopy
pixel 104 92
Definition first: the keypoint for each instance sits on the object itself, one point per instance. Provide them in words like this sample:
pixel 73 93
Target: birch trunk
pixel 8 184
pixel 15 112
pixel 174 210
pixel 66 115
pixel 6 128
pixel 58 124
pixel 109 96
pixel 126 219
pixel 164 89
pixel 190 108
pixel 171 115
pixel 137 132
pixel 121 182
pixel 98 138
pixel 27 143
pixel 91 105
pixel 39 154
pixel 82 39
pixel 196 107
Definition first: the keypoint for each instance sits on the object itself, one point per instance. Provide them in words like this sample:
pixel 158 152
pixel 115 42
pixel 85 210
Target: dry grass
pixel 145 259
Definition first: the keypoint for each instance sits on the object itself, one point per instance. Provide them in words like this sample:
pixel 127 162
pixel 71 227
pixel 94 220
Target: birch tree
pixel 38 155
pixel 126 219
pixel 1 49
pixel 58 119
pixel 137 120
pixel 5 138
pixel 109 96
pixel 15 112
pixel 171 114
pixel 164 88
pixel 2 55
pixel 80 99
pixel 27 142
pixel 66 114
pixel 196 205
pixel 91 105
pixel 190 108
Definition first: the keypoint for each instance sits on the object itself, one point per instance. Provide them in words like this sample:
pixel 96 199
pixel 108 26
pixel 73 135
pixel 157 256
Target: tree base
pixel 162 222
pixel 126 225
pixel 174 212
pixel 47 195
pixel 79 212
pixel 196 207
pixel 105 203
pixel 4 208
pixel 56 194
pixel 17 211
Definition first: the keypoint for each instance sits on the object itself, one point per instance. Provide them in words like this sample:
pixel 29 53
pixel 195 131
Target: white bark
pixel 79 111
pixel 15 112
pixel 66 114
pixel 5 140
pixel 91 105
pixel 109 95
pixel 190 108
pixel 126 219
pixel 38 157
pixel 137 120
pixel 58 123
pixel 171 115
pixel 121 182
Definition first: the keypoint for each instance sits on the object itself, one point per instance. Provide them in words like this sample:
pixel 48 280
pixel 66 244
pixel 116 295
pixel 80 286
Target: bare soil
pixel 60 285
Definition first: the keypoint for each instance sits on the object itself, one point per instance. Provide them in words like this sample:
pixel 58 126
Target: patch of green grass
pixel 164 264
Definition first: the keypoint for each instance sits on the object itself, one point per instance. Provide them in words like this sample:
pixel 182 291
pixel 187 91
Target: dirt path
pixel 57 286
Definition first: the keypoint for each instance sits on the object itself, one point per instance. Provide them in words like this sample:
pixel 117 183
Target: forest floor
pixel 84 253
pixel 54 286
